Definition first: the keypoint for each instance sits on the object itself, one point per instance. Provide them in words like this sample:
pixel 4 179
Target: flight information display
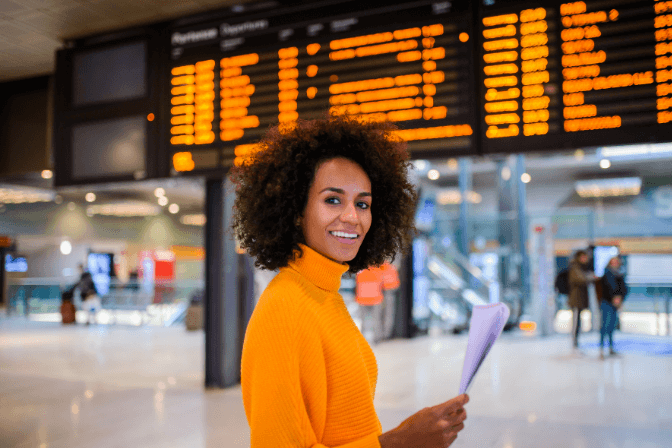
pixel 571 74
pixel 411 65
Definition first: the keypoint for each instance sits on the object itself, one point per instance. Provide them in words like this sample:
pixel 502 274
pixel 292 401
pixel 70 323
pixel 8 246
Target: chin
pixel 343 256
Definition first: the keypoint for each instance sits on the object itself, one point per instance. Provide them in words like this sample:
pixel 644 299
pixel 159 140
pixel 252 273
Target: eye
pixel 332 200
pixel 363 205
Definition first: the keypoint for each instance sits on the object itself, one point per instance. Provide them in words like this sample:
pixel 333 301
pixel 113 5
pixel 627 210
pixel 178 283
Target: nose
pixel 349 214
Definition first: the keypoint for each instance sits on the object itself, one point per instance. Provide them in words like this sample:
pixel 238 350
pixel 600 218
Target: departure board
pixel 564 75
pixel 409 64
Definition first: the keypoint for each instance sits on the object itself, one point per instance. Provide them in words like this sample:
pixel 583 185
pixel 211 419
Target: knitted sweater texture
pixel 308 376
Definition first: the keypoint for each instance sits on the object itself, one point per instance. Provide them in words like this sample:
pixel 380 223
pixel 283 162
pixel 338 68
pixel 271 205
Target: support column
pixel 523 230
pixel 3 287
pixel 465 184
pixel 506 207
pixel 228 294
pixel 403 322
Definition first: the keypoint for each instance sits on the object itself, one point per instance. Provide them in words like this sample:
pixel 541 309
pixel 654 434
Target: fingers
pixel 452 406
pixel 449 440
pixel 457 428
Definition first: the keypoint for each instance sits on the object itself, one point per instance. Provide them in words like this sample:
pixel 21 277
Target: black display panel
pixel 115 147
pixel 110 74
pixel 410 64
pixel 565 75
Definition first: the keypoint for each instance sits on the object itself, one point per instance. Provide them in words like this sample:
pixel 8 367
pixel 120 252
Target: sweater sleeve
pixel 272 382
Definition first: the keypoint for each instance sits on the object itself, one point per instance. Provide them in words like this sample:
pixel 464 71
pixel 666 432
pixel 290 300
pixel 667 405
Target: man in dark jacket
pixel 580 276
pixel 614 290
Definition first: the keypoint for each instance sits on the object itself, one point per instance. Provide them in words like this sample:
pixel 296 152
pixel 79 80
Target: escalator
pixel 454 286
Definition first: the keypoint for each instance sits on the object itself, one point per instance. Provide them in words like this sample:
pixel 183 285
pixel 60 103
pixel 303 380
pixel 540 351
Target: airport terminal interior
pixel 534 133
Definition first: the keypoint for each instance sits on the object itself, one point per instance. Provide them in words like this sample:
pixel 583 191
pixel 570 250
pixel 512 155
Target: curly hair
pixel 272 189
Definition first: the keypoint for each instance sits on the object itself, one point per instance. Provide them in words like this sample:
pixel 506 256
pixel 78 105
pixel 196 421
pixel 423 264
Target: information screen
pixel 568 75
pixel 412 65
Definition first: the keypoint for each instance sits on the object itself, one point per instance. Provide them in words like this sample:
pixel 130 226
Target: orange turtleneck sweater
pixel 308 375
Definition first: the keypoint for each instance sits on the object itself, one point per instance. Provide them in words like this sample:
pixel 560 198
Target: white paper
pixel 487 323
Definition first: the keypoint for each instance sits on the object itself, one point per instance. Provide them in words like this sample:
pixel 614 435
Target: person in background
pixel 390 284
pixel 317 199
pixel 91 304
pixel 376 305
pixel 580 276
pixel 614 291
pixel 85 282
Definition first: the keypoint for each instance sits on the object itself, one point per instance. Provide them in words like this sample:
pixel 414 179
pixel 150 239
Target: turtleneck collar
pixel 316 268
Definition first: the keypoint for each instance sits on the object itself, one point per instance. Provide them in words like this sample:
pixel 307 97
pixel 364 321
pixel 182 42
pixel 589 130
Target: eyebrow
pixel 341 191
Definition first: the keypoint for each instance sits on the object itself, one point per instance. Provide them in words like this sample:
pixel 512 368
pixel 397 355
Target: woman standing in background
pixel 580 276
pixel 614 291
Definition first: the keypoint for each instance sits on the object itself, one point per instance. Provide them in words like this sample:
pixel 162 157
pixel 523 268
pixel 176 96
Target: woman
pixel 614 291
pixel 580 276
pixel 318 200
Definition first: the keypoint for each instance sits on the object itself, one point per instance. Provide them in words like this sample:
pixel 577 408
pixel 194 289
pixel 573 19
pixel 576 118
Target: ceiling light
pixel 174 208
pixel 636 150
pixel 599 188
pixel 447 197
pixel 71 206
pixel 452 196
pixel 506 173
pixel 526 178
pixel 90 197
pixel 12 195
pixel 605 163
pixel 473 197
pixel 159 192
pixel 433 174
pixel 420 165
pixel 163 201
pixel 579 154
pixel 193 220
pixel 66 247
pixel 124 209
pixel 47 174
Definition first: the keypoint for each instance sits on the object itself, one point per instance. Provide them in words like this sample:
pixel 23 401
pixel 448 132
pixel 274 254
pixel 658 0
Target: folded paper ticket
pixel 487 323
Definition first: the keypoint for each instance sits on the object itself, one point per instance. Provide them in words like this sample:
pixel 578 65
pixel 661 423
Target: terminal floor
pixel 108 386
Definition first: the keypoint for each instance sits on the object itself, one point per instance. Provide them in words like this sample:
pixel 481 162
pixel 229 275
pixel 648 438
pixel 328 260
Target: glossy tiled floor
pixel 142 387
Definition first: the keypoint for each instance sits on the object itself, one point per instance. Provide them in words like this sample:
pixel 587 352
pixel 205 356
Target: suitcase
pixel 68 312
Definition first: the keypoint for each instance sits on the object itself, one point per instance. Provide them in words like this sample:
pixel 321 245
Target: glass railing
pixel 130 303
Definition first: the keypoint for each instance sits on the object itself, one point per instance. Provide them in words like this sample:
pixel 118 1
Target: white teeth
pixel 344 235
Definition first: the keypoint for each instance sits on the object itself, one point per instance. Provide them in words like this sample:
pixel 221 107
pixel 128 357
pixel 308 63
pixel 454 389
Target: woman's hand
pixel 433 427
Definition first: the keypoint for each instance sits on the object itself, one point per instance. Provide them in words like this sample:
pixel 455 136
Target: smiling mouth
pixel 351 236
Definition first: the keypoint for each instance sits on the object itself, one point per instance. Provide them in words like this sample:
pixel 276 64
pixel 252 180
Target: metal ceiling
pixel 32 30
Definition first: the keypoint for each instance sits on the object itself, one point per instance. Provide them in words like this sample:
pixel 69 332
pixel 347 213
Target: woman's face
pixel 338 213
